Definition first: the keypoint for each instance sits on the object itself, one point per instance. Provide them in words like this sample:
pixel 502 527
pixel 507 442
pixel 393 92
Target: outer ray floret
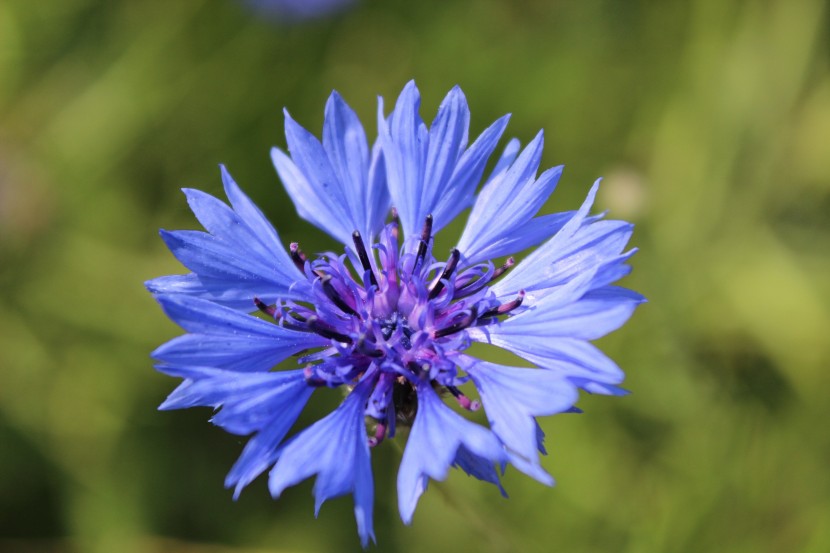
pixel 512 398
pixel 265 404
pixel 238 258
pixel 227 339
pixel 336 449
pixel 430 171
pixel 433 445
pixel 501 221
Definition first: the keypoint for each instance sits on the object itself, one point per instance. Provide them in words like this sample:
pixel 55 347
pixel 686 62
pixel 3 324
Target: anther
pixel 365 347
pixel 426 234
pixel 380 433
pixel 509 262
pixel 332 294
pixel 395 224
pixel 364 257
pixel 277 315
pixel 312 379
pixel 460 325
pixel 464 401
pixel 505 307
pixel 297 256
pixel 501 270
pixel 438 284
pixel 297 317
pixel 270 310
pixel 319 327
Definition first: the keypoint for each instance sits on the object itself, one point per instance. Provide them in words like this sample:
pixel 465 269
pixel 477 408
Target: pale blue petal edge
pixel 238 258
pixel 433 445
pixel 336 449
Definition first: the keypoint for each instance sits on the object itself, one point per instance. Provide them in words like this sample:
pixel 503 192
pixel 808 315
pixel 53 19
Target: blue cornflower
pixel 386 321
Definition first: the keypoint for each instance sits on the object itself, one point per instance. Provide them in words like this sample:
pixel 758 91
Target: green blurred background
pixel 710 121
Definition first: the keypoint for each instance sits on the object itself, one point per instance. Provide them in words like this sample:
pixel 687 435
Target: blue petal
pixel 478 467
pixel 436 437
pixel 240 255
pixel 593 316
pixel 256 222
pixel 404 139
pixel 310 181
pixel 224 338
pixel 447 141
pixel 345 144
pixel 429 171
pixel 508 155
pixel 377 198
pixel 267 404
pixel 512 397
pixel 247 396
pixel 336 449
pixel 576 359
pixel 230 292
pixel 334 185
pixel 600 388
pixel 506 205
pixel 457 195
pixel 582 244
pixel 553 333
pixel 526 235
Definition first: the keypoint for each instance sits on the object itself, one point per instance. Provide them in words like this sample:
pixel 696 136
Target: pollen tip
pixel 265 308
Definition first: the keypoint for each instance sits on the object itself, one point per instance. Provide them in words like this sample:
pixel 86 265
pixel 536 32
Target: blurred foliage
pixel 710 121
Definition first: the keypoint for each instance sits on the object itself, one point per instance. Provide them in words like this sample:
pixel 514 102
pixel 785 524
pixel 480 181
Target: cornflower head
pixel 386 321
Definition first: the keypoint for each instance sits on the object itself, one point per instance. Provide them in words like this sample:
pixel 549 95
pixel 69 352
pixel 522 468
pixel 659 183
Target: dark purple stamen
pixel 449 268
pixel 366 348
pixel 321 328
pixel 270 310
pixel 501 270
pixel 426 235
pixel 465 322
pixel 332 294
pixel 297 256
pixel 311 378
pixel 464 401
pixel 380 433
pixel 364 257
pixel 505 307
pixel 297 317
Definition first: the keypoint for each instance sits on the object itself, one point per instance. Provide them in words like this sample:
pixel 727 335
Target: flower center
pixel 395 321
pixel 400 320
